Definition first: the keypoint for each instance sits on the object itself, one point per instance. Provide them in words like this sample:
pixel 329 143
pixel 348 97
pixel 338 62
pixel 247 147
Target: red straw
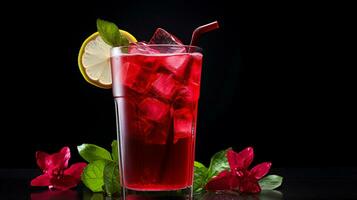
pixel 202 29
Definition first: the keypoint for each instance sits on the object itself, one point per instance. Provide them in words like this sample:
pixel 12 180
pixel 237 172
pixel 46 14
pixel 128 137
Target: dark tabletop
pixel 326 183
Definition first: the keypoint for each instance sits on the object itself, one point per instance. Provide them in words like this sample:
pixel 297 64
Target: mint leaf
pixel 111 178
pixel 115 151
pixel 110 33
pixel 218 164
pixel 92 175
pixel 270 182
pixel 200 175
pixel 124 41
pixel 91 152
pixel 199 165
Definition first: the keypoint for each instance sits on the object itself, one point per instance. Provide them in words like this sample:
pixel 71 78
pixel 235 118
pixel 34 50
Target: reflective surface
pixel 298 184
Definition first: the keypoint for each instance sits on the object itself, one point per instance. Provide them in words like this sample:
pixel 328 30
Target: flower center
pixel 57 173
pixel 238 172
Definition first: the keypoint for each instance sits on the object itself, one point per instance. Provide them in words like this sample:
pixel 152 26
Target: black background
pixel 276 76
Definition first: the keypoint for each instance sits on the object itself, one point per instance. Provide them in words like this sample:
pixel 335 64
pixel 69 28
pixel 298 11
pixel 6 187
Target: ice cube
pixel 158 135
pixel 164 86
pixel 153 109
pixel 144 61
pixel 137 77
pixel 183 123
pixel 160 132
pixel 196 67
pixel 144 128
pixel 141 48
pixel 177 64
pixel 187 96
pixel 163 37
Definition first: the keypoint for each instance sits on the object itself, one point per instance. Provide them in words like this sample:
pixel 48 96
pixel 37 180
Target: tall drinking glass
pixel 156 90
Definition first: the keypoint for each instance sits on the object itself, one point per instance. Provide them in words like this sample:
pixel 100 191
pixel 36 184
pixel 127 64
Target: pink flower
pixel 239 177
pixel 55 172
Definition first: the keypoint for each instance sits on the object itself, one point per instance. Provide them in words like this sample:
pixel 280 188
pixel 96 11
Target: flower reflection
pixel 55 195
pixel 263 195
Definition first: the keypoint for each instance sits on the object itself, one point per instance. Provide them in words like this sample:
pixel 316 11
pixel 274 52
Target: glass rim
pixel 196 49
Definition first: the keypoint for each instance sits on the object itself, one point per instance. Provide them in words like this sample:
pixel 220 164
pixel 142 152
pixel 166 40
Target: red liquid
pixel 156 98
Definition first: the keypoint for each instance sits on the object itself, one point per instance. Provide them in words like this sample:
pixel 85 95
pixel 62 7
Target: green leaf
pixel 92 175
pixel 115 151
pixel 111 178
pixel 271 182
pixel 199 165
pixel 200 175
pixel 124 41
pixel 218 164
pixel 91 152
pixel 109 33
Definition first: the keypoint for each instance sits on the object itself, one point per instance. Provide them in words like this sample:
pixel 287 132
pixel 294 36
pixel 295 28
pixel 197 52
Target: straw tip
pixel 216 24
pixel 203 29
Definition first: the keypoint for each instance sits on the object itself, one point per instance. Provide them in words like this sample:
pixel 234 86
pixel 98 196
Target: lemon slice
pixel 94 60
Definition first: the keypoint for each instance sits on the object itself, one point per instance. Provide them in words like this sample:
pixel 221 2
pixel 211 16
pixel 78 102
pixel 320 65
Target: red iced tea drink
pixel 156 90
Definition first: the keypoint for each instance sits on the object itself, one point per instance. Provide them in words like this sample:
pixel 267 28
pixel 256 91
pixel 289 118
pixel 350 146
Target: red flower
pixel 55 172
pixel 239 177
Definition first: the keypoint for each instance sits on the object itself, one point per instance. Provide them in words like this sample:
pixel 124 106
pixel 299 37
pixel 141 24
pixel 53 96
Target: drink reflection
pixel 264 195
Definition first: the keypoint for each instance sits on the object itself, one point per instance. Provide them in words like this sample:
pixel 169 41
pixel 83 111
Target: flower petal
pixel 249 186
pixel 43 160
pixel 223 181
pixel 42 180
pixel 260 170
pixel 64 183
pixel 240 160
pixel 60 159
pixel 75 170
